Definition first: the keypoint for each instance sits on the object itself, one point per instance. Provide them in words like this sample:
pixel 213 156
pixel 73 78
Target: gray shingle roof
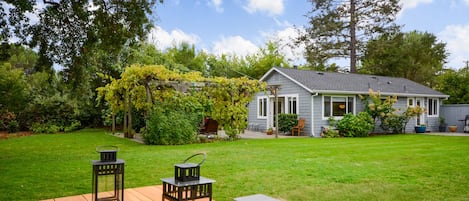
pixel 329 82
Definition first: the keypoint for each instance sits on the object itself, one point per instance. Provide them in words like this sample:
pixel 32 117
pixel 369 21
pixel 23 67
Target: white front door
pixel 273 110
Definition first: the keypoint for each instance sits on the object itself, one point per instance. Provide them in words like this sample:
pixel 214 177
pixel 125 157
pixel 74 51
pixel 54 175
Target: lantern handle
pixel 106 148
pixel 197 154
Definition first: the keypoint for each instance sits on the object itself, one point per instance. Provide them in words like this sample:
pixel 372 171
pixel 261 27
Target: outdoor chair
pixel 210 126
pixel 298 128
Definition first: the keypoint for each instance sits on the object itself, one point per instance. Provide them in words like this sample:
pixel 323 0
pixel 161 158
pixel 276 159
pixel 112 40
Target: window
pixel 262 107
pixel 432 107
pixel 338 106
pixel 410 102
pixel 292 105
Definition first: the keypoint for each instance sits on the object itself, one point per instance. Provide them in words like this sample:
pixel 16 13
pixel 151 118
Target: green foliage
pixel 390 118
pixel 455 83
pixel 229 99
pixel 338 29
pixel 13 127
pixel 13 88
pixel 268 57
pixel 330 133
pixel 75 125
pixel 355 126
pixel 414 55
pixel 51 110
pixel 395 122
pixel 46 128
pixel 287 121
pixel 331 121
pixel 379 109
pixel 224 100
pixel 171 127
pixel 5 119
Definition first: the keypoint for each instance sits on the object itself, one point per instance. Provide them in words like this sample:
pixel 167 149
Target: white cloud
pixel 286 42
pixel 234 45
pixel 457 43
pixel 271 7
pixel 217 5
pixel 163 39
pixel 410 4
pixel 466 2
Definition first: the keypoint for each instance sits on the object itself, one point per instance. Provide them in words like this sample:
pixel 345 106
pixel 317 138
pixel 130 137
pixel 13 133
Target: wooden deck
pixel 147 193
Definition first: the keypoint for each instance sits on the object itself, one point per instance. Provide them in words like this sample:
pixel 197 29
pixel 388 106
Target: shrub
pixel 287 121
pixel 45 128
pixel 355 126
pixel 13 127
pixel 330 133
pixel 172 127
pixel 5 119
pixel 396 123
pixel 75 125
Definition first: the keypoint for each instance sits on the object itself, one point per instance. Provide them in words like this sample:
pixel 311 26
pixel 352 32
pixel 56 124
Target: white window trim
pixel 437 107
pixel 413 102
pixel 287 109
pixel 259 107
pixel 339 96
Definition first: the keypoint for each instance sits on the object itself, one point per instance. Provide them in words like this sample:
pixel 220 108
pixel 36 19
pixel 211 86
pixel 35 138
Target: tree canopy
pixel 414 55
pixel 339 29
pixel 455 83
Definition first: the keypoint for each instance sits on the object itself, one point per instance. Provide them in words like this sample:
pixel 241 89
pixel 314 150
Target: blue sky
pixel 241 26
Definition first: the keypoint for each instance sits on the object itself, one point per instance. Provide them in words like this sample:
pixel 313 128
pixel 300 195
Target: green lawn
pixel 396 167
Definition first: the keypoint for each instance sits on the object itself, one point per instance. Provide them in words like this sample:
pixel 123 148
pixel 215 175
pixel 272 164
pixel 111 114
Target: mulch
pixel 5 135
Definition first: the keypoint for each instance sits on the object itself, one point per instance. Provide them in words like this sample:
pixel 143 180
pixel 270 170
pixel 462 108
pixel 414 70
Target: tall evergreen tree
pixel 339 28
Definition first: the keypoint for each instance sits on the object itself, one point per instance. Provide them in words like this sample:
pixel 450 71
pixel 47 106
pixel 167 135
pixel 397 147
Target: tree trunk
pixel 149 97
pixel 353 38
pixel 129 129
pixel 125 117
pixel 113 128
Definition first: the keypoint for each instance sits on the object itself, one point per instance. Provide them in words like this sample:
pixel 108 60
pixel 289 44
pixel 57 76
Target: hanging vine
pixel 224 100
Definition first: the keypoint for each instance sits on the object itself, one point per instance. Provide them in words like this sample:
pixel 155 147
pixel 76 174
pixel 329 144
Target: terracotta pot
pixel 452 128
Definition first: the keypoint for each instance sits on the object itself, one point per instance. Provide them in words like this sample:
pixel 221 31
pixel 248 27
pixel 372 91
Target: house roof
pixel 348 83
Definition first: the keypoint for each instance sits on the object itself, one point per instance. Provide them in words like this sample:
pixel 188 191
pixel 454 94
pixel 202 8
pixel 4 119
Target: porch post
pixel 274 90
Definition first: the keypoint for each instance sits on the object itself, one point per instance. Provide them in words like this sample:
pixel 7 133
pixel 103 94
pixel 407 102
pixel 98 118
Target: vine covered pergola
pixel 141 86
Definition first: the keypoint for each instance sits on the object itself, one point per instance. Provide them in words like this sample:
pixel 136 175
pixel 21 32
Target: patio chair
pixel 298 128
pixel 210 126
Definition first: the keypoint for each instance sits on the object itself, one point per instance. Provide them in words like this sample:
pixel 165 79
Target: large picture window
pixel 262 107
pixel 338 106
pixel 432 107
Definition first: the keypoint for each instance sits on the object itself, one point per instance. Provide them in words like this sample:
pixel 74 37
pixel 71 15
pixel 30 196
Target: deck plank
pixel 146 193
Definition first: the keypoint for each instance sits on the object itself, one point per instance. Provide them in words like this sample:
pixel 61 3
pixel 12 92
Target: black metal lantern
pixel 187 183
pixel 188 171
pixel 108 175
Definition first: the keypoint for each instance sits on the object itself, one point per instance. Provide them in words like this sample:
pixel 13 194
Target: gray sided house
pixel 315 96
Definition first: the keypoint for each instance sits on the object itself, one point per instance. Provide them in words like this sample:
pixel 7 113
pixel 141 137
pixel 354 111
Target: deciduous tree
pixel 415 55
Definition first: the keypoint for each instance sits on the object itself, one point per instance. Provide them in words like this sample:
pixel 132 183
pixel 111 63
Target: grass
pixel 396 167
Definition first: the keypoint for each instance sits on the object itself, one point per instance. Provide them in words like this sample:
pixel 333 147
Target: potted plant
pixel 442 127
pixel 270 131
pixel 421 128
pixel 452 128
